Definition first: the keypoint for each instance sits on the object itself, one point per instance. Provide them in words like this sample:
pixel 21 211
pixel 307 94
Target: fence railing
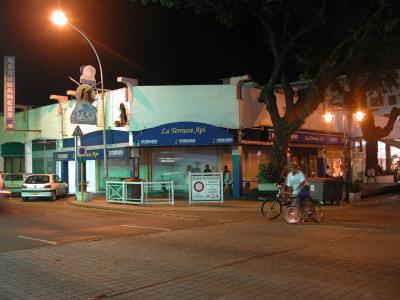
pixel 141 193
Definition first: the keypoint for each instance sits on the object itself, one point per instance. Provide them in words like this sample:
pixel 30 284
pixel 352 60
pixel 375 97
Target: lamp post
pixel 58 18
pixel 329 117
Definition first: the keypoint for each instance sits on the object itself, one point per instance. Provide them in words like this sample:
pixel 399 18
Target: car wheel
pixel 53 196
pixel 66 192
pixel 24 199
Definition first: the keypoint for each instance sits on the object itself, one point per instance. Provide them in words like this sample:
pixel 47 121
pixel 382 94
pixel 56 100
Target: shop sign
pixel 84 113
pixel 92 154
pixel 9 93
pixel 183 134
pixel 312 138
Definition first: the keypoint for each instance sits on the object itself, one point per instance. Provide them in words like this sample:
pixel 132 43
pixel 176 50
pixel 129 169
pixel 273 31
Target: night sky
pixel 151 43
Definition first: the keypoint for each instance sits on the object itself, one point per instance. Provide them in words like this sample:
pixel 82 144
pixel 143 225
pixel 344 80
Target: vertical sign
pixel 9 93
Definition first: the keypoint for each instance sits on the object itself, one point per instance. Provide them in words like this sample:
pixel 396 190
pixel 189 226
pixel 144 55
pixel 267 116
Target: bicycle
pixel 312 210
pixel 271 209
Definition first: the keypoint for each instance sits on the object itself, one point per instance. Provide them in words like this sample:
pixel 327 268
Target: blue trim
pixel 95 138
pixel 184 134
pixel 95 154
pixel 236 174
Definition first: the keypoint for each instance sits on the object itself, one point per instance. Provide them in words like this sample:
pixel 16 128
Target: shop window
pixel 38 165
pixel 392 100
pixel 14 165
pixel 376 101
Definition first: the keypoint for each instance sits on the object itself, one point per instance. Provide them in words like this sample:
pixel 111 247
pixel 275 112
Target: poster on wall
pixel 9 93
pixel 206 187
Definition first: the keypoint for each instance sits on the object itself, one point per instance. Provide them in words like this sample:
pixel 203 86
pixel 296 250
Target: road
pixel 56 251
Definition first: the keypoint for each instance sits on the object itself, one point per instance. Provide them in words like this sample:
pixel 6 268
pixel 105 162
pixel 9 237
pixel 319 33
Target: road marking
pixel 30 238
pixel 135 226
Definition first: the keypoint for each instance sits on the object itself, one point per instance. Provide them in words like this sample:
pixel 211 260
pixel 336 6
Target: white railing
pixel 158 192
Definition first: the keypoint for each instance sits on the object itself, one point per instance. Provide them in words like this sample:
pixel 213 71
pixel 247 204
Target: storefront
pixel 171 151
pixel 42 156
pixel 119 161
pixel 13 154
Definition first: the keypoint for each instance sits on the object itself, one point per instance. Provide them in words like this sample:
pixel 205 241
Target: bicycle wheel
pixel 317 213
pixel 292 214
pixel 271 209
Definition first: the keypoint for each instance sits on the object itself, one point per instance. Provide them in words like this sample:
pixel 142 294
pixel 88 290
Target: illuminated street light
pixel 359 116
pixel 328 117
pixel 58 18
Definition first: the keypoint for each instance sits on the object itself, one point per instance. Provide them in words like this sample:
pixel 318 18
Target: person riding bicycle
pixel 298 184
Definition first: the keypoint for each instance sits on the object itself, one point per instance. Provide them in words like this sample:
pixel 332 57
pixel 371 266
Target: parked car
pixel 43 185
pixel 12 182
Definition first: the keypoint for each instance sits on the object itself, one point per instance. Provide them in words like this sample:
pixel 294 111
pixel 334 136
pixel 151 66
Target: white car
pixel 43 185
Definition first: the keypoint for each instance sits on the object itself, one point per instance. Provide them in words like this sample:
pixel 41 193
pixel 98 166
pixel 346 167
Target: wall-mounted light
pixel 328 117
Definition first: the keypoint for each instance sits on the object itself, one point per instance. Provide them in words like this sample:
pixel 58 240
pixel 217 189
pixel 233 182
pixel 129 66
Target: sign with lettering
pixel 206 187
pixel 9 93
pixel 84 113
pixel 184 134
pixel 302 137
pixel 93 154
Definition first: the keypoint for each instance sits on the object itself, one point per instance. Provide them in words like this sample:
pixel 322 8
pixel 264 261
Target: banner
pixel 9 93
pixel 183 134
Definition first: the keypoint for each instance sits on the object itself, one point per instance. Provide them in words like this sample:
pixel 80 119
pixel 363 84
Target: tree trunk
pixel 371 154
pixel 280 149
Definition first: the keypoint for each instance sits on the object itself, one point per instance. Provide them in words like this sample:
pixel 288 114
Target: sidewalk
pixel 370 191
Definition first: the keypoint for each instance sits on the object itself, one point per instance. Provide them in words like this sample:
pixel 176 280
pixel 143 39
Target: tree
pixel 372 72
pixel 311 40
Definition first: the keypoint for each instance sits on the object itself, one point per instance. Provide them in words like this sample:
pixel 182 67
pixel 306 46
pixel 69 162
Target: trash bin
pixel 133 191
pixel 326 190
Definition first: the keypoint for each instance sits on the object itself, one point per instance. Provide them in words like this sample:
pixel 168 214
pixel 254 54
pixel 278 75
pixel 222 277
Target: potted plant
pixel 355 190
pixel 267 176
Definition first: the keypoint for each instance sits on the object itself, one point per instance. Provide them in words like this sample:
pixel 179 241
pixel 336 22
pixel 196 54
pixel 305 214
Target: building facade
pixel 160 133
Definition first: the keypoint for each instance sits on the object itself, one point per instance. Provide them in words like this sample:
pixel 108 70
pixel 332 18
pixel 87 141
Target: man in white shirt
pixel 297 181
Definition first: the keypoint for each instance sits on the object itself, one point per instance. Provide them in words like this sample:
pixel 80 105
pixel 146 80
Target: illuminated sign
pixel 9 93
pixel 184 134
pixel 312 138
pixel 91 154
pixel 84 113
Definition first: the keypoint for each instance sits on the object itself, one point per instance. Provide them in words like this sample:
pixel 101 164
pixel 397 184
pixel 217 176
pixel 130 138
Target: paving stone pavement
pixel 242 260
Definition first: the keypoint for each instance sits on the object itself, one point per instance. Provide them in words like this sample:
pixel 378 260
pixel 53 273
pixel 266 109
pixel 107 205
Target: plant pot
pixel 354 196
pixel 267 187
pixel 84 197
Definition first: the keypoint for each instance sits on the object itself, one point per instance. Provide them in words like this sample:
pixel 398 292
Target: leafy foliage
pixel 268 173
pixel 316 41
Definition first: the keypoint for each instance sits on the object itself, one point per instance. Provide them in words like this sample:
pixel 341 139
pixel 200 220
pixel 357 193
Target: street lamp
pixel 58 18
pixel 329 117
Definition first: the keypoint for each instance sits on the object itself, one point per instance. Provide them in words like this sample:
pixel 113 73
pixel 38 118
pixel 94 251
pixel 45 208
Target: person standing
pixel 227 178
pixel 207 169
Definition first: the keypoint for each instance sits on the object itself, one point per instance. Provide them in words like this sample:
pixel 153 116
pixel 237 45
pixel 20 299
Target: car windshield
pixel 38 179
pixel 14 177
